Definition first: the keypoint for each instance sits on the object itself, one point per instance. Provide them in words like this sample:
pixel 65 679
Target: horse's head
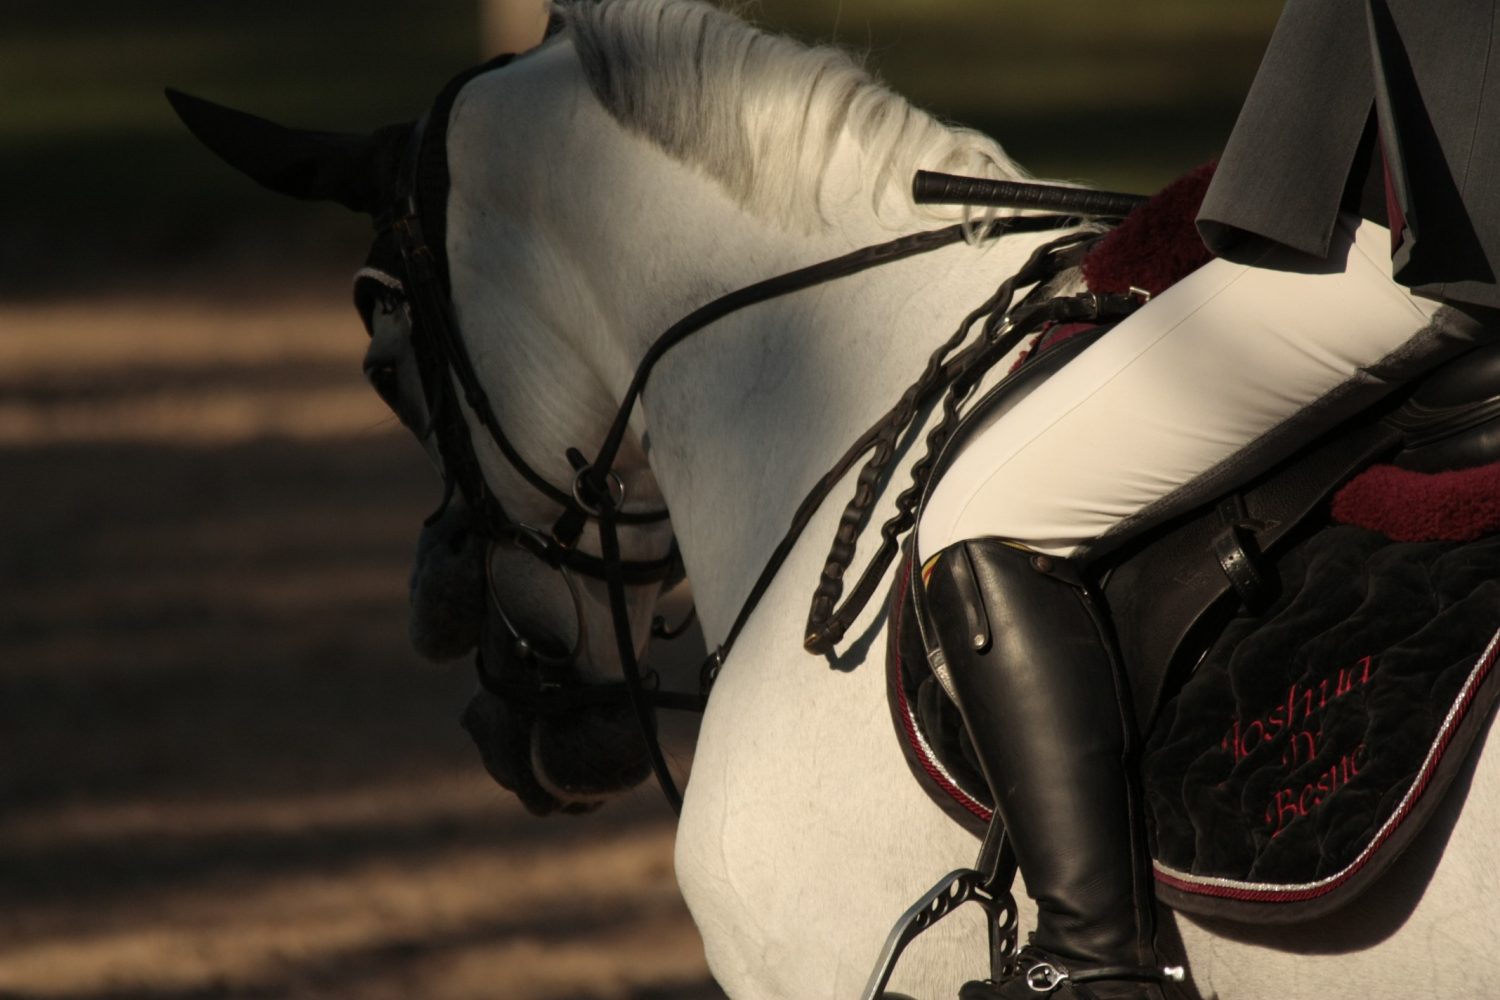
pixel 511 564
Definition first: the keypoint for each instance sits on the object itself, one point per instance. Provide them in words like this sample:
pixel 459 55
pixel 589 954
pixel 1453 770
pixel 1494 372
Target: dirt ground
pixel 223 774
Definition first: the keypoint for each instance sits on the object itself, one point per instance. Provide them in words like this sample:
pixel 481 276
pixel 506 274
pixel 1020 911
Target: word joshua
pixel 1294 716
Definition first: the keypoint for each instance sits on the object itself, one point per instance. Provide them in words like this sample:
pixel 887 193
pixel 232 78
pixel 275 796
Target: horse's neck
pixel 742 420
pixel 603 241
pixel 571 248
pixel 745 417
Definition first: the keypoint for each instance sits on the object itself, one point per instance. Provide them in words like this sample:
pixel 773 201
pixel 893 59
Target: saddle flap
pixel 1170 593
pixel 1311 744
pixel 1315 739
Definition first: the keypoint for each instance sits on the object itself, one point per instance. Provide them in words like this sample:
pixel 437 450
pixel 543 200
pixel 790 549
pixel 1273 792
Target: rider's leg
pixel 1217 375
pixel 1232 362
pixel 1048 712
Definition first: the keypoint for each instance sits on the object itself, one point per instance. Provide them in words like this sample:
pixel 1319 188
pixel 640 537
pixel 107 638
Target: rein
pixel 596 492
pixel 593 476
pixel 938 377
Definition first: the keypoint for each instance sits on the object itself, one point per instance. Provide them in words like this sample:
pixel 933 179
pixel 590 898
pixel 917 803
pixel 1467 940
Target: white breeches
pixel 1205 369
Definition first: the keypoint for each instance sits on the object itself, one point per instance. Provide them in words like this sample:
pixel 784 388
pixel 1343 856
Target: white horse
pixel 651 157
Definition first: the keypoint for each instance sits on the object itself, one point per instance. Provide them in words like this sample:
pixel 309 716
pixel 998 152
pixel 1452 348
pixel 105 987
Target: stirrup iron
pixel 988 885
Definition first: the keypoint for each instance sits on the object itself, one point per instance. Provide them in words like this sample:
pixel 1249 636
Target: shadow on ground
pixel 225 775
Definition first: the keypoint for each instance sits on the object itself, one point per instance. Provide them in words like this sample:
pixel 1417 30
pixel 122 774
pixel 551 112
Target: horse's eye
pixel 386 383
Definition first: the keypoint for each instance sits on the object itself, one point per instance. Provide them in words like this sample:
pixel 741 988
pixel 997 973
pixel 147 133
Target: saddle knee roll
pixel 1452 419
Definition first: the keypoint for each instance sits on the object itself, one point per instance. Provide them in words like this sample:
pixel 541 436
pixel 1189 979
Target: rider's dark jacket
pixel 1421 75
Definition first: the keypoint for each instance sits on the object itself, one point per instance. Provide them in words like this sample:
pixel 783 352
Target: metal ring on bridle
pixel 581 491
pixel 522 644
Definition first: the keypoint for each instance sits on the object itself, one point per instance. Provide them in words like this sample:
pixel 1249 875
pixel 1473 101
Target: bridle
pixel 410 238
pixel 407 261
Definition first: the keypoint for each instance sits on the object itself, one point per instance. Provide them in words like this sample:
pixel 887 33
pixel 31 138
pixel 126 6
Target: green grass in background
pixel 102 186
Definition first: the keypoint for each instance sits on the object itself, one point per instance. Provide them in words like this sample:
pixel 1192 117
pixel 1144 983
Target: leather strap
pixel 1239 556
pixel 1164 593
pixel 1046 973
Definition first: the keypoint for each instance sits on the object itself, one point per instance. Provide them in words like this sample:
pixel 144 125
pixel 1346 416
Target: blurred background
pixel 222 772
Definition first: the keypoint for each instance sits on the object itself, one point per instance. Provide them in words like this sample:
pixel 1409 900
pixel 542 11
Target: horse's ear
pixel 357 171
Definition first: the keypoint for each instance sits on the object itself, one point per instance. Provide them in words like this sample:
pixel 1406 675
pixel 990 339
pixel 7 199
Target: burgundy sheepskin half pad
pixel 1408 506
pixel 1152 249
pixel 1157 245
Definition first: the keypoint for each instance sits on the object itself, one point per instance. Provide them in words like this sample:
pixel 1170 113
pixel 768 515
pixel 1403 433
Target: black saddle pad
pixel 1312 741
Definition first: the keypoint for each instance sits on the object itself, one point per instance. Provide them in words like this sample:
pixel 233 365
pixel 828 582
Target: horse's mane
pixel 761 113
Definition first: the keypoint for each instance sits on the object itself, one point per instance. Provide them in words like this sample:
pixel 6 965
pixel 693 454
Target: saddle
pixel 1311 654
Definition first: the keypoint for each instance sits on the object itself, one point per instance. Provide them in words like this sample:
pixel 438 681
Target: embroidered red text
pixel 1294 715
pixel 1290 804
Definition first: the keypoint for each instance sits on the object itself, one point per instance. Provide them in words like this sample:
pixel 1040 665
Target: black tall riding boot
pixel 1049 715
